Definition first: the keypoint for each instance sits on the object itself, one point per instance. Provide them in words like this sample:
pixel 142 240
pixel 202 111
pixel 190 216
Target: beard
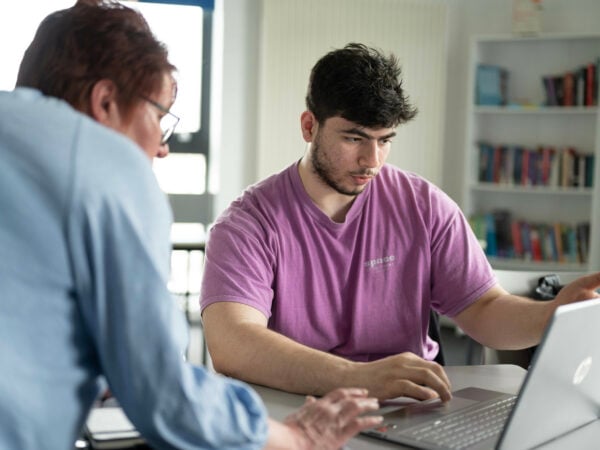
pixel 324 168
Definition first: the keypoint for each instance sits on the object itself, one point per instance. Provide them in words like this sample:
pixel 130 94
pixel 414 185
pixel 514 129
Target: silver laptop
pixel 559 398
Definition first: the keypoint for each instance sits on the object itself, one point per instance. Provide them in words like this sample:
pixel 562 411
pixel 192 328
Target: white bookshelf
pixel 526 121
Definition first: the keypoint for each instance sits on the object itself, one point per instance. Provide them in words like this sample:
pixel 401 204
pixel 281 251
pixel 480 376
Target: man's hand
pixel 583 288
pixel 405 374
pixel 329 422
pixel 241 346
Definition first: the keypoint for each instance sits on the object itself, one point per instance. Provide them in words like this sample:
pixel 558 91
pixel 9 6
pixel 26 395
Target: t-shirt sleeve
pixel 460 271
pixel 239 263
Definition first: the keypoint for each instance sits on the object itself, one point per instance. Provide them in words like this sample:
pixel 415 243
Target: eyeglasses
pixel 168 122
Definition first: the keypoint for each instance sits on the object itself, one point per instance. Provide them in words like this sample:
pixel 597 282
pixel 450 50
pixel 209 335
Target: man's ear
pixel 103 103
pixel 308 125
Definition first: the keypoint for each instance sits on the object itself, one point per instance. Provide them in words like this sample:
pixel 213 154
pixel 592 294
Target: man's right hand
pixel 405 374
pixel 241 346
pixel 327 423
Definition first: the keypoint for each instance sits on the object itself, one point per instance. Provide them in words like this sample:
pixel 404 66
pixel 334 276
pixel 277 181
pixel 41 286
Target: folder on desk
pixel 109 428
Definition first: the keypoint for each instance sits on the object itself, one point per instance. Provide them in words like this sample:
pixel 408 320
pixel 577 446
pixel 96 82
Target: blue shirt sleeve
pixel 118 233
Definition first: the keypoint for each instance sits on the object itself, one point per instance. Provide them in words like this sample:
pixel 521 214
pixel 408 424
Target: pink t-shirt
pixel 361 289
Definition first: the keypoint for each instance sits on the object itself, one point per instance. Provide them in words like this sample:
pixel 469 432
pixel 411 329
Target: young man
pixel 325 274
pixel 84 256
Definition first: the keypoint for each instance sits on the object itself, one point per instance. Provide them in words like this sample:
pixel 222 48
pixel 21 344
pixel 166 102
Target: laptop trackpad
pixel 416 413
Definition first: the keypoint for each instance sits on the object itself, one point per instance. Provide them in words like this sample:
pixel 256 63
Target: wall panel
pixel 294 34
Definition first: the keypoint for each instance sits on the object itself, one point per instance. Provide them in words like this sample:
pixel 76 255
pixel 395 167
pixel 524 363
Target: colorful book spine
pixel 503 237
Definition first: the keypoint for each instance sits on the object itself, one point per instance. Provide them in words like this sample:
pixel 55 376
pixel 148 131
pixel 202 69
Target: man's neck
pixel 332 203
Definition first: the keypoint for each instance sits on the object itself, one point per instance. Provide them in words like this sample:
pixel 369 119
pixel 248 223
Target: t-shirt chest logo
pixel 380 263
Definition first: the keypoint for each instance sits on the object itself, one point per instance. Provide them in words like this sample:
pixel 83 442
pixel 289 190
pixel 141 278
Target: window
pixel 185 27
pixel 28 15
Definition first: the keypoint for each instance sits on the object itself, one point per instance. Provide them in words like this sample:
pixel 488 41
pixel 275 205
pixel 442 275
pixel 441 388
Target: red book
pixel 569 89
pixel 546 165
pixel 536 245
pixel 515 228
pixel 590 76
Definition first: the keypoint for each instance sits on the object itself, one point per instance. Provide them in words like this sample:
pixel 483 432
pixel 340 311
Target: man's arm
pixel 243 347
pixel 507 322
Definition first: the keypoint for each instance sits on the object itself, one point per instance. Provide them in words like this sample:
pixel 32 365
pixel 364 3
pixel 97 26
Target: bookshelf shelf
pixel 555 197
pixel 537 266
pixel 536 110
pixel 494 188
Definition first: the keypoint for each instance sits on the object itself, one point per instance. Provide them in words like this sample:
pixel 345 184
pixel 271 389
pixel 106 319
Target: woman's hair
pixel 361 85
pixel 94 40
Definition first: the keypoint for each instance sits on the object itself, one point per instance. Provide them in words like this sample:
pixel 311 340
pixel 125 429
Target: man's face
pixel 143 126
pixel 346 156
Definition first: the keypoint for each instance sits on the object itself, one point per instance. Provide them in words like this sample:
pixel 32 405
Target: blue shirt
pixel 84 260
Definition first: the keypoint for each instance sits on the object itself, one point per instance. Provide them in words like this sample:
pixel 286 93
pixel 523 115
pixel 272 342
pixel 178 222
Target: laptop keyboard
pixel 465 428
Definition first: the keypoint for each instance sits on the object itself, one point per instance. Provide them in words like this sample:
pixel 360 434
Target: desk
pixel 504 378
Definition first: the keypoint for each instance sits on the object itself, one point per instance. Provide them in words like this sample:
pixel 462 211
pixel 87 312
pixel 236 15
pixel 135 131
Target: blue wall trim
pixel 206 4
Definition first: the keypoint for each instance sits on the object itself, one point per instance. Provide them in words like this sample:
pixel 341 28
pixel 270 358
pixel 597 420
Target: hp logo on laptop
pixel 582 370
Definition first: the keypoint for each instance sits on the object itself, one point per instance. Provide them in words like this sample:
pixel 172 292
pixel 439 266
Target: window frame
pixel 195 208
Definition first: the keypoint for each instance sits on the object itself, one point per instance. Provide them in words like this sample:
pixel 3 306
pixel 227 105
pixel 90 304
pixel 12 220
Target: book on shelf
pixel 588 177
pixel 576 87
pixel 559 89
pixel 589 85
pixel 547 176
pixel 486 164
pixel 548 166
pixel 491 85
pixel 517 239
pixel 526 239
pixel 548 82
pixel 502 225
pixel 570 244
pixel 583 232
pixel 536 244
pixel 567 167
pixel 558 242
pixel 491 243
pixel 569 87
pixel 580 87
pixel 506 237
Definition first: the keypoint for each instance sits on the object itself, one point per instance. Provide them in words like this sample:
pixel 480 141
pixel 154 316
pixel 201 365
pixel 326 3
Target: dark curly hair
pixel 93 40
pixel 361 85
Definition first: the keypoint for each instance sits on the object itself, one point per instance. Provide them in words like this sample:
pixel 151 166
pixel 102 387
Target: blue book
pixel 551 243
pixel 589 171
pixel 486 162
pixel 526 239
pixel 491 248
pixel 491 85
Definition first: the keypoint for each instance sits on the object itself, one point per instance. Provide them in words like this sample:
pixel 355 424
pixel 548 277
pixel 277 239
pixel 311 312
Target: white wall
pixel 236 143
pixel 295 34
pixel 238 148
